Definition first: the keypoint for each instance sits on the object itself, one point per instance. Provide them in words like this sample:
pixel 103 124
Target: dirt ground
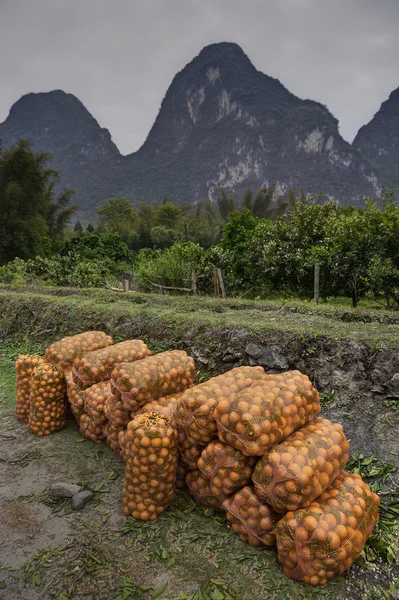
pixel 98 554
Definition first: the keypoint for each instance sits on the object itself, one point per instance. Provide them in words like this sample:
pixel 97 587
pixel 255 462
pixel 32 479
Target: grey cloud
pixel 119 56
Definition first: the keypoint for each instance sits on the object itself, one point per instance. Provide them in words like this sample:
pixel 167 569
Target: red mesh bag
pixel 263 415
pixel 157 376
pixel 181 473
pixel 94 400
pixel 47 399
pixel 252 520
pixel 64 352
pixel 225 467
pixel 295 472
pixel 323 540
pixel 75 396
pixel 189 453
pixel 151 462
pixel 91 430
pixel 97 366
pixel 24 368
pixel 200 490
pixel 195 411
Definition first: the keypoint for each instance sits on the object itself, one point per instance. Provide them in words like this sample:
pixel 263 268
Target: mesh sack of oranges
pixel 97 366
pixel 24 368
pixel 296 471
pixel 200 489
pixel 151 463
pixel 94 398
pixel 64 352
pixel 263 415
pixel 111 436
pixel 122 439
pixel 323 540
pixel 181 473
pixel 75 396
pixel 166 405
pixel 118 418
pixel 252 520
pixel 156 376
pixel 225 467
pixel 47 399
pixel 189 453
pixel 91 430
pixel 195 411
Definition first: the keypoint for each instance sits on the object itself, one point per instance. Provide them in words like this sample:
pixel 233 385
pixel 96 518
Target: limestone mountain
pixel 379 140
pixel 222 123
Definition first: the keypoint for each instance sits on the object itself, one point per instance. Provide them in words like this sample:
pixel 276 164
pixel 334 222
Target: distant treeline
pixel 264 244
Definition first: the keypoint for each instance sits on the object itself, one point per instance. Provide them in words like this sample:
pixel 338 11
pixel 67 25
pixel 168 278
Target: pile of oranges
pixel 244 442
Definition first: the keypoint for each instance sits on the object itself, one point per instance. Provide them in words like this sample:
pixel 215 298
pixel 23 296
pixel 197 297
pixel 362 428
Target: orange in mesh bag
pixel 226 468
pixel 200 490
pixel 151 462
pixel 189 453
pixel 195 411
pixel 97 366
pixel 47 399
pixel 323 540
pixel 94 400
pixel 75 396
pixel 118 418
pixel 157 376
pixel 64 352
pixel 91 430
pixel 166 405
pixel 299 469
pixel 24 368
pixel 263 415
pixel 254 521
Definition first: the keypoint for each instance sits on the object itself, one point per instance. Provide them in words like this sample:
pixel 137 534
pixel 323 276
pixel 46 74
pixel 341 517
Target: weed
pixel 327 398
pixel 42 559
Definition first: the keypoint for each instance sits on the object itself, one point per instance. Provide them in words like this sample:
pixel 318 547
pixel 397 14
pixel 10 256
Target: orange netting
pixel 225 467
pixel 94 399
pixel 151 463
pixel 118 418
pixel 299 469
pixel 97 366
pixel 323 540
pixel 91 430
pixel 156 376
pixel 200 490
pixel 166 405
pixel 75 396
pixel 254 521
pixel 64 352
pixel 189 453
pixel 263 415
pixel 47 399
pixel 195 411
pixel 24 369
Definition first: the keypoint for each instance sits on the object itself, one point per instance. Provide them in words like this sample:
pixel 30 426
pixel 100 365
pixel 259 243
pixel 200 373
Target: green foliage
pixel 118 216
pixel 33 217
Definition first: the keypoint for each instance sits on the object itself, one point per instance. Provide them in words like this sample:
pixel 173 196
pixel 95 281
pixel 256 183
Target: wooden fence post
pixel 194 282
pixel 216 291
pixel 316 282
pixel 221 283
pixel 125 285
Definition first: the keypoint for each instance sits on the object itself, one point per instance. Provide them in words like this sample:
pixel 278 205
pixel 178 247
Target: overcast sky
pixel 119 56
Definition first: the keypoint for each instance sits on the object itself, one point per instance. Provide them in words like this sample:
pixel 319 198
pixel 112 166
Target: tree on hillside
pixel 33 216
pixel 226 204
pixel 118 216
